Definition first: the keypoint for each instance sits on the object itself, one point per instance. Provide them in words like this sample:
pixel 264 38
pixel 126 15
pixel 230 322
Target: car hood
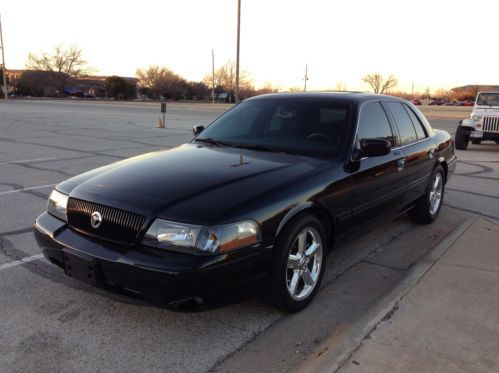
pixel 486 110
pixel 215 179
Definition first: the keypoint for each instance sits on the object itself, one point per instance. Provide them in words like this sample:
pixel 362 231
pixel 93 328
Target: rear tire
pixel 298 265
pixel 476 141
pixel 497 141
pixel 428 207
pixel 461 139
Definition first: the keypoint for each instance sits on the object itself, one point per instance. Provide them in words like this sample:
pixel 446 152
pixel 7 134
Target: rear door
pixel 378 186
pixel 417 148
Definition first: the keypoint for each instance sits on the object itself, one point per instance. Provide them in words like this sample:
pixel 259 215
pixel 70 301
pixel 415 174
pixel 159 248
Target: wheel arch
pixel 319 211
pixel 442 162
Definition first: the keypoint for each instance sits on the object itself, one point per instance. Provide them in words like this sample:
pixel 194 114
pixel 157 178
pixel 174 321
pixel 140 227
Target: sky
pixel 435 44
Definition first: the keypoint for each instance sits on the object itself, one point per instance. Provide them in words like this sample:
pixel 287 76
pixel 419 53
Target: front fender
pixel 292 213
pixel 468 123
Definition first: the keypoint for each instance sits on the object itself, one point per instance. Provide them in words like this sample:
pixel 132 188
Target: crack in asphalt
pixel 16 231
pixel 472 211
pixel 97 153
pixel 473 193
pixel 36 168
pixel 34 193
pixel 13 185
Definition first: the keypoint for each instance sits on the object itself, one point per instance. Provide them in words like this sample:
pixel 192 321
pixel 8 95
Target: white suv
pixel 483 123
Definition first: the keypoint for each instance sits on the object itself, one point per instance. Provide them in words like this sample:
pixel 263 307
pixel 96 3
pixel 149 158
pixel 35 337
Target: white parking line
pixel 29 160
pixel 28 188
pixel 20 261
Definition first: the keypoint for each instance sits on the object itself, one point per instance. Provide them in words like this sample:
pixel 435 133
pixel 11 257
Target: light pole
pixel 237 53
pixel 4 70
pixel 305 78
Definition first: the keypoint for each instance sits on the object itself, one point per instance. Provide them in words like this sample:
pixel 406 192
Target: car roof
pixel 346 97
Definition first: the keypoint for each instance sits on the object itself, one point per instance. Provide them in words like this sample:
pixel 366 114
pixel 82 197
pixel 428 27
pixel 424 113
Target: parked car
pixel 257 197
pixel 416 101
pixel 468 103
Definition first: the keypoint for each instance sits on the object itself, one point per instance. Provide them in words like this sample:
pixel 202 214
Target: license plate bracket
pixel 81 267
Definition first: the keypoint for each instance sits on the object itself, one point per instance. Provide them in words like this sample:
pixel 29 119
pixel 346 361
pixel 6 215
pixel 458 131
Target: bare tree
pixel 225 79
pixel 63 65
pixel 378 83
pixel 161 81
pixel 340 86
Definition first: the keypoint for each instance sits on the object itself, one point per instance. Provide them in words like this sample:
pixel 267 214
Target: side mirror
pixel 197 129
pixel 374 147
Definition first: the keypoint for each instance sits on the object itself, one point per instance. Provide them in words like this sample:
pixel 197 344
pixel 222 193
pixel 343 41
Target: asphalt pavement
pixel 52 324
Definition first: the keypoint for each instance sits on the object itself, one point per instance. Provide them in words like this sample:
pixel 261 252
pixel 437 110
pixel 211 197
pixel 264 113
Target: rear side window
pixel 404 123
pixel 373 123
pixel 420 130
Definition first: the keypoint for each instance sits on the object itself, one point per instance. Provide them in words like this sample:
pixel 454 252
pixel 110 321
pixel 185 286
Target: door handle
pixel 401 164
pixel 431 153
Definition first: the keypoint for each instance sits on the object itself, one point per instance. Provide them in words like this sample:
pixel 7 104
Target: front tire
pixel 428 207
pixel 299 263
pixel 461 138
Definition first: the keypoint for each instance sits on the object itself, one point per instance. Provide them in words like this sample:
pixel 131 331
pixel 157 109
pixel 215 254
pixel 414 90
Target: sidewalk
pixel 448 321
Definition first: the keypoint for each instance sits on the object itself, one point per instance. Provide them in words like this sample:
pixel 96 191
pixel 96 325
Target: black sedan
pixel 257 197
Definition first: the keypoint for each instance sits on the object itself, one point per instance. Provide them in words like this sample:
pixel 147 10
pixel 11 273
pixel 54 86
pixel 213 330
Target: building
pixel 91 85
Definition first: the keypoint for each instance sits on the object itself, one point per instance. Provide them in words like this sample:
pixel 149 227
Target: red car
pixel 468 103
pixel 416 102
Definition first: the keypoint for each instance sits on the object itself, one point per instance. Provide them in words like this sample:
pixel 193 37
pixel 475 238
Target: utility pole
pixel 305 78
pixel 212 76
pixel 237 52
pixel 412 91
pixel 4 70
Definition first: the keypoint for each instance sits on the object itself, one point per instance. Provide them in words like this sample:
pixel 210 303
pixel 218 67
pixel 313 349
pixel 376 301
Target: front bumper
pixel 156 275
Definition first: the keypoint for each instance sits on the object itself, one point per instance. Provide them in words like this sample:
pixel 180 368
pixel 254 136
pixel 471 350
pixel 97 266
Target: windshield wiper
pixel 257 147
pixel 211 140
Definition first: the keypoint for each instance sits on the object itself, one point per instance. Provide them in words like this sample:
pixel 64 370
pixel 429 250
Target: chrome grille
pixel 117 225
pixel 490 124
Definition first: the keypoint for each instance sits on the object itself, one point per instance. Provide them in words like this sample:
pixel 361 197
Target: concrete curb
pixel 330 355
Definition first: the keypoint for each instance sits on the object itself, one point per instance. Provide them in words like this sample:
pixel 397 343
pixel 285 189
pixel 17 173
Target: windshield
pixel 488 99
pixel 315 128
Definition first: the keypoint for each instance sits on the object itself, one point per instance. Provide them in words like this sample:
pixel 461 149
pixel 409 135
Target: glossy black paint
pixel 205 184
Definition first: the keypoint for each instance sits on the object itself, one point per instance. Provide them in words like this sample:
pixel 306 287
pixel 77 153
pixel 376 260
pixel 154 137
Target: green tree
pixel 116 86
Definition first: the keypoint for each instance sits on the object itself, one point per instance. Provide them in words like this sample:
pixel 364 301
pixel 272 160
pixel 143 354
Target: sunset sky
pixel 440 44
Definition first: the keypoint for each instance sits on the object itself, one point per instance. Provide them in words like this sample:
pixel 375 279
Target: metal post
pixel 4 70
pixel 237 53
pixel 212 75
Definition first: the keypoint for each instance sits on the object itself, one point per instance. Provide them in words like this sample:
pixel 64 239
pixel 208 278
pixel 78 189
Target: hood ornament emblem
pixel 95 219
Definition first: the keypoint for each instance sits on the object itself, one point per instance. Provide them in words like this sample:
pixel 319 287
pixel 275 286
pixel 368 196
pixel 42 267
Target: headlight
pixel 57 205
pixel 476 118
pixel 195 239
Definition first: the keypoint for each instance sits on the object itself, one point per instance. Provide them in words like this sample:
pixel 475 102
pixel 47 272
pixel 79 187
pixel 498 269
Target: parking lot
pixel 50 323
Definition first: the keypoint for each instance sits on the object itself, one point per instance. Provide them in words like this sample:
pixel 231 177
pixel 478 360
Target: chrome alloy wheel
pixel 304 263
pixel 436 193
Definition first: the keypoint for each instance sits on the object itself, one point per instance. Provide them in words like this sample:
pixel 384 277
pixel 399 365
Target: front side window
pixel 373 123
pixel 307 127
